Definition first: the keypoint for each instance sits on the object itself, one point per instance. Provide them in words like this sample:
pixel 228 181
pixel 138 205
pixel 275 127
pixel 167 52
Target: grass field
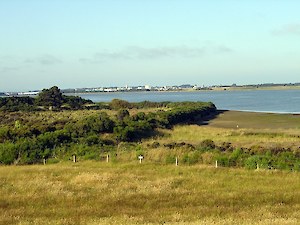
pixel 126 192
pixel 99 193
pixel 242 129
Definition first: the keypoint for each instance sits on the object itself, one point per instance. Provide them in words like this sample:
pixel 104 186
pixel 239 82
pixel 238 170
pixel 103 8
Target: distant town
pixel 183 87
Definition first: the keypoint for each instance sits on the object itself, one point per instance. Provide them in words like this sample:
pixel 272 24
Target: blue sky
pixel 91 43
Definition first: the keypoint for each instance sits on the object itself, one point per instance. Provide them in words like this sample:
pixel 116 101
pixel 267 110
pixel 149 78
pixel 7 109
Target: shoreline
pixel 260 112
pixel 213 89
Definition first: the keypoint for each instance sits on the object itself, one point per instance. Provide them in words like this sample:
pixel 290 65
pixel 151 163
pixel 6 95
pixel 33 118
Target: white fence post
pixel 74 158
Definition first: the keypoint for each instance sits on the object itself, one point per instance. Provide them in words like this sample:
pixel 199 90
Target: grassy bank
pixel 243 129
pixel 100 193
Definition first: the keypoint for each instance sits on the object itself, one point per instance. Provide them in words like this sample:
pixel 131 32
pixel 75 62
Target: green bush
pixel 223 160
pixel 236 158
pixel 252 161
pixel 191 158
pixel 8 153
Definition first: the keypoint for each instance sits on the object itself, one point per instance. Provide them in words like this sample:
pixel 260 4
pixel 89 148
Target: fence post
pixel 107 158
pixel 257 166
pixel 216 163
pixel 44 161
pixel 74 158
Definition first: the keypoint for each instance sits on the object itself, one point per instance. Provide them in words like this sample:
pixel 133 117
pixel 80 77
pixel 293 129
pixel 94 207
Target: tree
pixel 50 97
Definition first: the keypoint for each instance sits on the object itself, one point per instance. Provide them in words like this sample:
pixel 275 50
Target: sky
pixel 97 43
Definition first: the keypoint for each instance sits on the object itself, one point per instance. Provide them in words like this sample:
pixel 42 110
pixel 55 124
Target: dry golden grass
pixel 101 193
pixel 263 129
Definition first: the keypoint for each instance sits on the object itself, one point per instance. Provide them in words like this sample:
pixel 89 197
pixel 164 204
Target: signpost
pixel 141 157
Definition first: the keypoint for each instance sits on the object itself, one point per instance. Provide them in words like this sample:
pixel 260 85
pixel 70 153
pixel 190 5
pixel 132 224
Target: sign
pixel 141 158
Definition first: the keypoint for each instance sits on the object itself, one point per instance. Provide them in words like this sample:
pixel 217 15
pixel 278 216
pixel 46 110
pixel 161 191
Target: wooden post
pixel 44 161
pixel 74 158
pixel 257 166
pixel 216 163
pixel 107 158
pixel 176 162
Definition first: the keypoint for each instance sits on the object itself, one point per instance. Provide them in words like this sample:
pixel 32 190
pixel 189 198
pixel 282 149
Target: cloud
pixel 7 69
pixel 288 29
pixel 7 58
pixel 162 52
pixel 44 60
pixel 141 53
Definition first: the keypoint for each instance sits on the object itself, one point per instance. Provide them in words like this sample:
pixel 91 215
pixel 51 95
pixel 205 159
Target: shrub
pixel 207 144
pixel 119 104
pixel 92 140
pixel 191 158
pixel 236 157
pixel 252 161
pixel 155 144
pixel 223 160
pixel 226 146
pixel 8 153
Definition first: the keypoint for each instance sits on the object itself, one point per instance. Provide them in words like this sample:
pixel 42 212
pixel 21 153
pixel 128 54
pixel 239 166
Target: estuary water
pixel 278 101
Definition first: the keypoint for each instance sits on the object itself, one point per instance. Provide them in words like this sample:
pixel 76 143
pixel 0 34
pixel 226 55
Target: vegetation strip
pixel 50 132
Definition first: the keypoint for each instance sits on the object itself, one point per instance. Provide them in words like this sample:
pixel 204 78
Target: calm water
pixel 280 101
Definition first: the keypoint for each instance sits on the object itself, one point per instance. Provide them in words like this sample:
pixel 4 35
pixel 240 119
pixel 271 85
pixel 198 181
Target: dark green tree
pixel 50 97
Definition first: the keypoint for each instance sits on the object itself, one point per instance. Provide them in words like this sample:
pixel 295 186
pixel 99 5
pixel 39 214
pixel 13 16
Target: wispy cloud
pixel 7 58
pixel 8 69
pixel 141 53
pixel 288 29
pixel 44 60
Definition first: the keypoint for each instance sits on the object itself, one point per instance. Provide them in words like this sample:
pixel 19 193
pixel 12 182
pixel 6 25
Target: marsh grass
pixel 114 193
pixel 238 137
pixel 242 129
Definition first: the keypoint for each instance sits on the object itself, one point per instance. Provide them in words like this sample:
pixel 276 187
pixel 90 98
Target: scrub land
pixel 256 181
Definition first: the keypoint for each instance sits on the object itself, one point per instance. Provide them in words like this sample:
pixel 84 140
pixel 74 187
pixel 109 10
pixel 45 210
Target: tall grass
pixel 194 134
pixel 100 193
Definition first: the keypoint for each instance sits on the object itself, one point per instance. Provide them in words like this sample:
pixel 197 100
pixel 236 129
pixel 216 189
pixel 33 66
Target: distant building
pixel 148 87
pixel 186 86
pixel 29 93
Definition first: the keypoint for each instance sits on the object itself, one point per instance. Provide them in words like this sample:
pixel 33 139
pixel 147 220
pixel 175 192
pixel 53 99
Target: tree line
pixel 51 98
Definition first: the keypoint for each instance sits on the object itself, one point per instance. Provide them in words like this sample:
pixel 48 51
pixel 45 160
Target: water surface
pixel 279 101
